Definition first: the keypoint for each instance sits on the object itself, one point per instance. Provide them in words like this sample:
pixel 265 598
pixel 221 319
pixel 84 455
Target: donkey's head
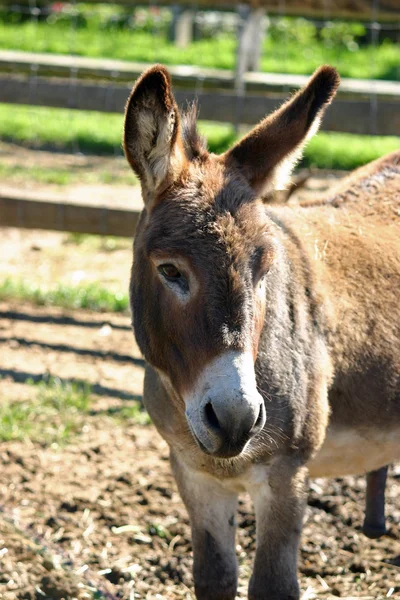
pixel 203 251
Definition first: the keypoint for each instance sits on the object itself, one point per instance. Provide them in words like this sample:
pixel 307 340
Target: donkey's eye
pixel 170 271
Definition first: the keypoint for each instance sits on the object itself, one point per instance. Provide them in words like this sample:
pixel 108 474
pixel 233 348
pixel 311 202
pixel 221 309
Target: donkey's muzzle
pixel 224 409
pixel 227 436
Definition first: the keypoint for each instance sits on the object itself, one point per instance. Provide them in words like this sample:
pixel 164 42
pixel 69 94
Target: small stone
pixel 48 563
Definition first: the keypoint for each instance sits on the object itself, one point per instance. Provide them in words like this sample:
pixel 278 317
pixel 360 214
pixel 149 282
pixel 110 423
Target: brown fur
pixel 312 291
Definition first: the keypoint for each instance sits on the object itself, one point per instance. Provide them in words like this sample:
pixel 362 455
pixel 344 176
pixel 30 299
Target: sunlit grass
pixel 63 176
pixel 85 131
pixel 62 129
pixel 101 133
pixel 91 296
pixel 92 243
pixel 347 151
pixel 53 414
pixel 19 173
pixel 292 45
pixel 132 412
pixel 57 410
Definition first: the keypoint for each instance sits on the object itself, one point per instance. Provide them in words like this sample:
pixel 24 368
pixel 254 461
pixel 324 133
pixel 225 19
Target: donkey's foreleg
pixel 279 506
pixel 212 511
pixel 374 524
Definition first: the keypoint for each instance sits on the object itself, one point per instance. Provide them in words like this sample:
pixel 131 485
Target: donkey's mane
pixel 195 144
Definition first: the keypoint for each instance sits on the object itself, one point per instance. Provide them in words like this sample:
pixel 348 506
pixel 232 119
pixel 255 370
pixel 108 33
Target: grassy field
pixel 346 151
pixel 91 296
pixel 56 411
pixel 61 129
pixel 63 176
pixel 52 415
pixel 88 132
pixel 292 45
pixel 99 133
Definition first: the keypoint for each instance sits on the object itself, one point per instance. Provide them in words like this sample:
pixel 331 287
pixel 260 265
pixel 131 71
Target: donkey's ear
pixel 152 139
pixel 268 153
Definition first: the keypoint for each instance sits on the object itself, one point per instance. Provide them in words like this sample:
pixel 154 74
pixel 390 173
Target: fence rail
pixel 351 116
pixel 184 76
pixel 58 213
pixel 362 106
pixel 238 96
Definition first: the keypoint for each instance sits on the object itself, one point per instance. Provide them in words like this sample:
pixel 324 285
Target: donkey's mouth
pixel 226 450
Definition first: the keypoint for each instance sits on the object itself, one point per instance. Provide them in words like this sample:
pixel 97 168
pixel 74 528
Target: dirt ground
pixel 100 516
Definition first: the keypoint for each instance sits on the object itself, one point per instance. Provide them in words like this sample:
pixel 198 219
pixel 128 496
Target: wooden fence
pixel 239 96
pixel 58 213
pixel 362 106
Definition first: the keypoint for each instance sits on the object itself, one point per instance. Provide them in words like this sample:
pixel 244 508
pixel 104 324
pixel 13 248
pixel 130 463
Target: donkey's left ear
pixel 152 139
pixel 268 153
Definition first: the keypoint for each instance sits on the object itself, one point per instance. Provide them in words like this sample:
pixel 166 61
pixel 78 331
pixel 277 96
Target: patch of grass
pixel 52 416
pixel 100 133
pixel 77 239
pixel 91 296
pixel 87 131
pixel 219 136
pixel 134 412
pixel 106 243
pixel 292 45
pixel 62 177
pixel 346 151
pixel 62 129
pixel 40 174
pixel 109 178
pixel 57 411
pixel 295 47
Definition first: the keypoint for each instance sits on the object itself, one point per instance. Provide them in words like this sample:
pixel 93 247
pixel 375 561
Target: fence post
pixel 249 48
pixel 182 26
pixel 257 26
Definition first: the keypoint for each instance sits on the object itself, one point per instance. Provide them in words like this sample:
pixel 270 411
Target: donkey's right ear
pixel 268 153
pixel 152 140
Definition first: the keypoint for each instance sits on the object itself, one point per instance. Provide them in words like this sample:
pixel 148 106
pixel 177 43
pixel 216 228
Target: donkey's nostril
pixel 260 419
pixel 211 417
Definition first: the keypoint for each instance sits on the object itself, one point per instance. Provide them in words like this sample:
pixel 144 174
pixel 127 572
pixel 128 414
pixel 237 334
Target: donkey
pixel 271 333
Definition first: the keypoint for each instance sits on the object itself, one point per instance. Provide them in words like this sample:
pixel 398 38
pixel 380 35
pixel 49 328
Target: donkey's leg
pixel 374 524
pixel 212 511
pixel 279 506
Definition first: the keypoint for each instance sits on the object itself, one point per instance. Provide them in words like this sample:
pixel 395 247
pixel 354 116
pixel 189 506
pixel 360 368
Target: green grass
pixel 56 412
pixel 219 136
pixel 39 174
pixel 381 62
pixel 89 132
pixel 101 133
pixel 292 45
pixel 53 415
pixel 61 129
pixel 91 296
pixel 346 151
pixel 133 412
pixel 92 243
pixel 64 176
